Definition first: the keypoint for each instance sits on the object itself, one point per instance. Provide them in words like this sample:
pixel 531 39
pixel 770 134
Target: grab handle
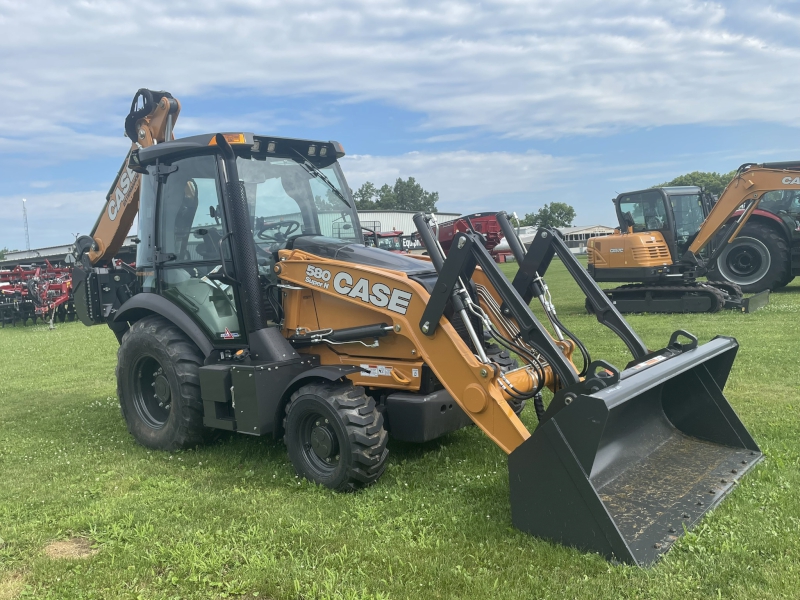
pixel 675 344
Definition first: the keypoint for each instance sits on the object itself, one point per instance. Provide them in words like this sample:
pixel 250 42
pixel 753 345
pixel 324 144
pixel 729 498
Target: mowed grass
pixel 232 519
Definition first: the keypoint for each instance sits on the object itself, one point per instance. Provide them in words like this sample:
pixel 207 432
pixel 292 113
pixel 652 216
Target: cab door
pixel 648 211
pixel 192 244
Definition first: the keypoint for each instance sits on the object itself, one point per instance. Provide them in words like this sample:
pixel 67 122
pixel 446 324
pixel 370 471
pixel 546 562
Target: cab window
pixel 645 210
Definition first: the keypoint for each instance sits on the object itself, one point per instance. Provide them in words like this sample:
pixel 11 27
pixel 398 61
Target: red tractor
pixel 765 255
pixel 386 240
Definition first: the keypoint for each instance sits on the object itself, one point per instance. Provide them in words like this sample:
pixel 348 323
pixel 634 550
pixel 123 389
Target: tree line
pixel 410 195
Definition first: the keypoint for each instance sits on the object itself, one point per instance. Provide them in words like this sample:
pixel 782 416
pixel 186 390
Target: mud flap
pixel 624 469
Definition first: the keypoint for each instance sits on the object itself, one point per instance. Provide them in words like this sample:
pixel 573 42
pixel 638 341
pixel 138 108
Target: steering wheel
pixel 278 236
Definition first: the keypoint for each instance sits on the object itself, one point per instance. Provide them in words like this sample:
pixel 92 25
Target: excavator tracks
pixel 694 297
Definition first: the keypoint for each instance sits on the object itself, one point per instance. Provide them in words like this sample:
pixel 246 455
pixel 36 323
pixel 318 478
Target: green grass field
pixel 232 519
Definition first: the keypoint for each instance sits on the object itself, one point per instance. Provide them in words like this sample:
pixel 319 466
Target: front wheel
pixel 158 385
pixel 335 436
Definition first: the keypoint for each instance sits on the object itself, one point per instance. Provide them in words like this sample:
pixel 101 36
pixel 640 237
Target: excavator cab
pixel 255 307
pixel 673 213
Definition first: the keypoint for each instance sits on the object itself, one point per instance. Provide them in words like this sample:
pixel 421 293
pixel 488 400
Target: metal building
pixel 399 220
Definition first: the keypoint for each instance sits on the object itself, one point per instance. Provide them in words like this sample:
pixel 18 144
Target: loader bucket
pixel 624 470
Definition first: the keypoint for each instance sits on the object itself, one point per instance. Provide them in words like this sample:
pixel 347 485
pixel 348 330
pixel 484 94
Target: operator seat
pixel 655 222
pixel 184 219
pixel 208 249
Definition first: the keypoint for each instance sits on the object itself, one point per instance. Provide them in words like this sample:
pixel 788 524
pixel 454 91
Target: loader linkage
pixel 623 460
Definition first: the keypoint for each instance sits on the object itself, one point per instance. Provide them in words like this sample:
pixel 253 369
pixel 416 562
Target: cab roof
pixel 315 151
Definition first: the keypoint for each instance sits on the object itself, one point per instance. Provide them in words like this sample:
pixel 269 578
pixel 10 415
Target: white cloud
pixel 467 181
pixel 519 69
pixel 53 218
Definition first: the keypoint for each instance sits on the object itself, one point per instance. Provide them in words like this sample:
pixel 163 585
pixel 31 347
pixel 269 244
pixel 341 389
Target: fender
pixel 142 305
pixel 765 214
pixel 327 372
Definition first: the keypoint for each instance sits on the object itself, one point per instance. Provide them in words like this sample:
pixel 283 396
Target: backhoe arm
pixel 145 126
pixel 748 187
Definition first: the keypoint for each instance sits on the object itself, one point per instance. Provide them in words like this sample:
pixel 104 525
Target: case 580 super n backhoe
pixel 246 313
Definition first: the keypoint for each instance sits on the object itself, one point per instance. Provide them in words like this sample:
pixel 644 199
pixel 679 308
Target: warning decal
pixel 376 371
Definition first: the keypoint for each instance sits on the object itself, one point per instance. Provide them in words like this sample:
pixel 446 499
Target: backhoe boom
pixel 151 124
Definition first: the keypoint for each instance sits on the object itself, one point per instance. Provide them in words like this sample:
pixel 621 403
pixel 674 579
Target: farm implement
pixel 33 292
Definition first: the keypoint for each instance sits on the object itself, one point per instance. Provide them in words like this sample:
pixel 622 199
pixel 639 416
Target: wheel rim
pixel 319 443
pixel 152 396
pixel 745 261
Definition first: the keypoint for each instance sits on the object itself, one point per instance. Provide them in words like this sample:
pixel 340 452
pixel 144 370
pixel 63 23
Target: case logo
pixel 377 294
pixel 125 184
pixel 791 180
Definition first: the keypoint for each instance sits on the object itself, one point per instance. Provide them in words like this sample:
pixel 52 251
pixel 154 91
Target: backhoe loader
pixel 664 232
pixel 255 307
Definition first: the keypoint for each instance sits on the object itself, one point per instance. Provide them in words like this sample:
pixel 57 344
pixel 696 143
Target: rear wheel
pixel 757 260
pixel 335 436
pixel 158 385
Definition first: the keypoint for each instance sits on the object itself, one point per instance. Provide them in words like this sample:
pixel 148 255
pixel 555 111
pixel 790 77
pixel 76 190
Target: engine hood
pixel 362 255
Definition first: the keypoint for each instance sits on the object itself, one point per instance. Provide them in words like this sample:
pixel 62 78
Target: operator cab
pixel 296 198
pixel 675 212
pixel 293 188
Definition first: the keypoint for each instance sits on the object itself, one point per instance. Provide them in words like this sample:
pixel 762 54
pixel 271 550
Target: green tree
pixel 3 253
pixel 555 214
pixel 709 181
pixel 403 195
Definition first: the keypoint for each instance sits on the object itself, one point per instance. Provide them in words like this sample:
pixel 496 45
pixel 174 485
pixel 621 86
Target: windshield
pixel 644 210
pixel 689 217
pixel 286 201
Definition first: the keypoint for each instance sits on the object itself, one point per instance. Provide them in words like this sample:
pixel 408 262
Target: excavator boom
pixel 747 188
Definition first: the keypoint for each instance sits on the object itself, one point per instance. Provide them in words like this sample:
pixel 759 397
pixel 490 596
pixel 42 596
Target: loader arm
pixel 472 385
pixel 145 126
pixel 748 187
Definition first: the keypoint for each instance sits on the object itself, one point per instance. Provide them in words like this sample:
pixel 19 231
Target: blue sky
pixel 499 104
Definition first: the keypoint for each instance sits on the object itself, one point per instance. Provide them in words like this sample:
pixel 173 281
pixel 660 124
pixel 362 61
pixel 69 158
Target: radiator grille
pixel 654 252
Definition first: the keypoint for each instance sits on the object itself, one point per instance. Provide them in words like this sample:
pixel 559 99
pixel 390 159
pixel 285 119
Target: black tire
pixel 503 358
pixel 785 281
pixel 335 436
pixel 757 260
pixel 158 385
